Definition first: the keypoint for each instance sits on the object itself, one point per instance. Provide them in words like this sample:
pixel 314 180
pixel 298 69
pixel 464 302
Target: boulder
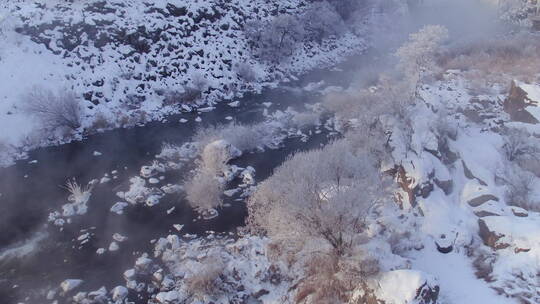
pixel 522 102
pixel 407 286
pixel 489 236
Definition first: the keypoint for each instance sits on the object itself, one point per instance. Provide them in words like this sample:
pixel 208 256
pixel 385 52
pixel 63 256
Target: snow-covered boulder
pixel 407 287
pixel 169 297
pixel 519 233
pixel 119 293
pixel 70 284
pixel 222 146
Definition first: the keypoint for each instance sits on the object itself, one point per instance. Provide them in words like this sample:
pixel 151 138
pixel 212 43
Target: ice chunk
pixel 70 284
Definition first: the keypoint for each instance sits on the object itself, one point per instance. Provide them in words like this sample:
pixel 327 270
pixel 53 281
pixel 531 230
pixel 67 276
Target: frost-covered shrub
pixel 417 55
pixel 54 110
pixel 203 282
pixel 323 194
pixel 516 11
pixel 496 61
pixel 204 190
pixel 100 122
pixel 520 185
pixel 174 97
pixel 517 143
pixel 78 194
pixel 190 95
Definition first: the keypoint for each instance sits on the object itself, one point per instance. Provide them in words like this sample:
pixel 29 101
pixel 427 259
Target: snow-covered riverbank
pixel 130 62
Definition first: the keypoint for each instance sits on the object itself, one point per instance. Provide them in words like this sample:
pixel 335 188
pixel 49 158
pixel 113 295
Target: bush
pixel 100 123
pixel 54 110
pixel 520 186
pixel 174 97
pixel 204 190
pixel 205 281
pixel 489 62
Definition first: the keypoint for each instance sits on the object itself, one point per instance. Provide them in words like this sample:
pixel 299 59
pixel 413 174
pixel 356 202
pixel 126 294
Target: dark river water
pixel 30 191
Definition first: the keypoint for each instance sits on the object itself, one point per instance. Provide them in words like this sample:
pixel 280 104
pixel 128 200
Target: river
pixel 36 256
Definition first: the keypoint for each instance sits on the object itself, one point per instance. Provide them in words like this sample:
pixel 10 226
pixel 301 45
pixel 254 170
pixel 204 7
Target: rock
pixel 519 212
pixel 520 102
pixel 170 189
pixel 407 286
pixel 143 263
pixel 98 295
pixel 70 284
pixel 444 244
pixel 490 238
pixel 260 293
pixel 51 294
pixel 114 246
pixel 484 213
pixel 119 293
pixel 168 297
pixel 234 104
pixel 468 173
pixel 118 237
pixel 118 208
pixel 475 202
pixel 445 185
pixel 152 170
pixel 178 227
pixel 129 274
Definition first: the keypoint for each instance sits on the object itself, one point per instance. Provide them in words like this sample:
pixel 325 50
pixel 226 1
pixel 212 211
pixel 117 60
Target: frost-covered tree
pixel 204 190
pixel 417 56
pixel 516 11
pixel 54 110
pixel 321 21
pixel 320 195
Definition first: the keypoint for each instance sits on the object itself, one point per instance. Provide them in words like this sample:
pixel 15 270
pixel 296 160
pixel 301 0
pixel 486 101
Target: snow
pixel 119 207
pixel 400 286
pixel 24 248
pixel 456 277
